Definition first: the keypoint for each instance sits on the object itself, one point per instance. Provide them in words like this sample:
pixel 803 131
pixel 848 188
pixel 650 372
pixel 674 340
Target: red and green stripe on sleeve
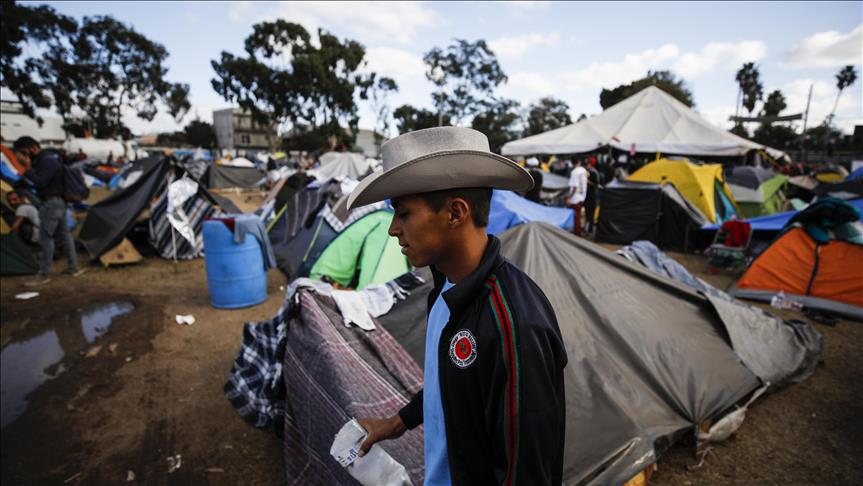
pixel 505 325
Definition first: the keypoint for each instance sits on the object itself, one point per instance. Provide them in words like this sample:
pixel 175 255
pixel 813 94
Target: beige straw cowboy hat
pixel 435 159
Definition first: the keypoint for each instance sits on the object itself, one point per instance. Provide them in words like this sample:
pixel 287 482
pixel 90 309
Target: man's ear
pixel 459 212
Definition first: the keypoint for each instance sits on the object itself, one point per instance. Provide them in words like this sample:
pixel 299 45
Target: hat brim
pixel 439 171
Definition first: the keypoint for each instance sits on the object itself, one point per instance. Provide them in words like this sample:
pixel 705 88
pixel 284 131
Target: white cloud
pixel 395 63
pixel 827 49
pixel 609 74
pixel 848 112
pixel 528 4
pixel 515 47
pixel 718 115
pixel 529 84
pixel 370 21
pixel 723 55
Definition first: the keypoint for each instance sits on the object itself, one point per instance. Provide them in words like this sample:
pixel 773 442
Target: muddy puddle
pixel 36 350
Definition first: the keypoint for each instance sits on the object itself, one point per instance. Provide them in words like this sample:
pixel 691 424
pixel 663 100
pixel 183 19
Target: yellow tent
pixel 702 185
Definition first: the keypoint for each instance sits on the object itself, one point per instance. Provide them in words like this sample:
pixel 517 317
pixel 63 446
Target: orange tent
pixel 828 277
pixel 12 159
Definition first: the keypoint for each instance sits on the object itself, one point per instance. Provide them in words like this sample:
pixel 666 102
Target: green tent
pixel 363 254
pixel 16 257
pixel 757 191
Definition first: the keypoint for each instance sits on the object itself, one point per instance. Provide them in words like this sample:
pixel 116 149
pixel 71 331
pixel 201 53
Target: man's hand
pixel 381 429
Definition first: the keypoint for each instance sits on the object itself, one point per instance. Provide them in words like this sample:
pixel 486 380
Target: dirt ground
pixel 147 389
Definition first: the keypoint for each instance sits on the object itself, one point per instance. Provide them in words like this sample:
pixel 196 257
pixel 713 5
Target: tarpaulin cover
pixel 333 373
pixel 223 176
pixel 777 351
pixel 776 222
pixel 364 253
pixel 508 209
pixel 293 230
pixel 649 358
pixel 642 211
pixel 109 220
pixel 697 183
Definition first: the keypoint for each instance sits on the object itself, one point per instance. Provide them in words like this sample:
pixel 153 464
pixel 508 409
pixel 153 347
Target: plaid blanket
pixel 197 208
pixel 333 373
pixel 255 387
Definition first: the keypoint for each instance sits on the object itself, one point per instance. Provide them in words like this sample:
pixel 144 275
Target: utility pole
pixel 805 120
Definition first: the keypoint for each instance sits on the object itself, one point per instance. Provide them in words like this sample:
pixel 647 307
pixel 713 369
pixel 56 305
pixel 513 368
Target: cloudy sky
pixel 561 49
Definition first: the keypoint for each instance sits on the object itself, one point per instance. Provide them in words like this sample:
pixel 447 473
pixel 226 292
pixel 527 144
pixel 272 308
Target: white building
pixel 14 124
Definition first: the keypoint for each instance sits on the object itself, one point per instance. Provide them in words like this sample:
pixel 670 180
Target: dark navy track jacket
pixel 501 361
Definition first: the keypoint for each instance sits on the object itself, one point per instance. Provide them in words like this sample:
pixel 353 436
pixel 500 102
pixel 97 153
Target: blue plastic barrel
pixel 235 272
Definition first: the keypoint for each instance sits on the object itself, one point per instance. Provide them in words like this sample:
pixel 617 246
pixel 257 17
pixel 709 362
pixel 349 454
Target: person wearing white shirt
pixel 577 193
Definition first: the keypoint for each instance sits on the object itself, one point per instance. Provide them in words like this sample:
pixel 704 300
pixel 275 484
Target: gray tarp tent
pixel 225 176
pixel 649 358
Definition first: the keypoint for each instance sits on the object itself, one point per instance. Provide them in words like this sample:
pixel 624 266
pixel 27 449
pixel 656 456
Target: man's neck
pixel 466 256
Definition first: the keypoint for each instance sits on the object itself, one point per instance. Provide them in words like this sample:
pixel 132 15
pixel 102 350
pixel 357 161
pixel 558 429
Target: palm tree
pixel 751 90
pixel 844 79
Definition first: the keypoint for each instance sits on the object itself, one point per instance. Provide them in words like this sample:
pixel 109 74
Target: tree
pixel 99 67
pixel 751 90
pixel 499 122
pixel 285 78
pixel 409 118
pixel 39 29
pixel 465 74
pixel 774 105
pixel 664 80
pixel 774 135
pixel 378 93
pixel 200 134
pixel 114 67
pixel 171 139
pixel 547 114
pixel 845 78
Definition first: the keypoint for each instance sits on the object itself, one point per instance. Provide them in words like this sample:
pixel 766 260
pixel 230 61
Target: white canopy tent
pixel 652 120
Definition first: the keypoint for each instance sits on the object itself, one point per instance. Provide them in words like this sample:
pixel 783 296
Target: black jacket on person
pixel 46 174
pixel 501 360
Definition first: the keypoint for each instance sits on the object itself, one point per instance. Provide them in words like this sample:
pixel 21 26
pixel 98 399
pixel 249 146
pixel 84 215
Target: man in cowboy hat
pixel 493 404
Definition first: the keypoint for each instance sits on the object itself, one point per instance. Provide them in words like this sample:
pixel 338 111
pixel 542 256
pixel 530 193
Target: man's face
pixel 422 232
pixel 14 199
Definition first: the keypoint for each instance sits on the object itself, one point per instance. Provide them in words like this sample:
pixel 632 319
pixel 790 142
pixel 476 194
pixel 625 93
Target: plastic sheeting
pixel 777 352
pixel 338 165
pixel 108 221
pixel 508 209
pixel 222 176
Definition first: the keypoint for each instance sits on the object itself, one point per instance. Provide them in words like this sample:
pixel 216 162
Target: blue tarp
pixel 508 209
pixel 855 175
pixel 776 222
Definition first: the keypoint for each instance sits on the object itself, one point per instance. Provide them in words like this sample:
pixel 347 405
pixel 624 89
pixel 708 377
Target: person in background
pixel 110 157
pixel 536 174
pixel 591 196
pixel 44 169
pixel 26 223
pixel 577 193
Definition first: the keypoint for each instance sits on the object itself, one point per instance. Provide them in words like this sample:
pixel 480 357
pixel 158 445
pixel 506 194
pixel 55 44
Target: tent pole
pixel 174 244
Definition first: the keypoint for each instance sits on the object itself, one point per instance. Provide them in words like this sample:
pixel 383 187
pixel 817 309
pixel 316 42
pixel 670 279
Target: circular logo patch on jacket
pixel 462 349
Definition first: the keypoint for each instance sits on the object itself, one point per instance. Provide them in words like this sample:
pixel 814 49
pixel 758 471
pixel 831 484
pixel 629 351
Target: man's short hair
pixel 24 143
pixel 478 198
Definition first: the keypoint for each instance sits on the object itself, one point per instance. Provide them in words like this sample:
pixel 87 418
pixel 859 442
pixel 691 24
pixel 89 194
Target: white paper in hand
pixel 375 468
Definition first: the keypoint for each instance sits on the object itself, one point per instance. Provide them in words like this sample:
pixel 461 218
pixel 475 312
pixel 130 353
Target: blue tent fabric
pixel 775 222
pixel 855 175
pixel 508 209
